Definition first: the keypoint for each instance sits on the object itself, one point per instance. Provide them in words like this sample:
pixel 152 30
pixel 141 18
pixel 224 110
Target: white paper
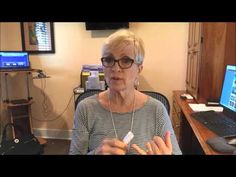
pixel 203 107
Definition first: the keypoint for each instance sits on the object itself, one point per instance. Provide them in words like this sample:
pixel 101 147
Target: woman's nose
pixel 116 67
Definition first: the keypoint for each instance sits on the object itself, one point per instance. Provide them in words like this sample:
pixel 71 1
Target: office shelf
pixel 19 110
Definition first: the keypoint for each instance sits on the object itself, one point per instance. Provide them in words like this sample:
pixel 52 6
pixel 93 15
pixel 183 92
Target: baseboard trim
pixel 52 133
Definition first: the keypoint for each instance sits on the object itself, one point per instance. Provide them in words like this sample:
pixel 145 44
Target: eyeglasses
pixel 124 62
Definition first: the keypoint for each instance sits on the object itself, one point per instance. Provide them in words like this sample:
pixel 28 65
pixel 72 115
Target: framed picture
pixel 37 37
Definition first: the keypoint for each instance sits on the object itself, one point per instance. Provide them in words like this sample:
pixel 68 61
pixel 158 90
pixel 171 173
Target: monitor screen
pixel 228 94
pixel 14 60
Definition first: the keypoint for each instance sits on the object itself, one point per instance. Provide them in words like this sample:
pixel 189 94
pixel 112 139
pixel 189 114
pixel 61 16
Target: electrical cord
pixel 46 110
pixel 46 120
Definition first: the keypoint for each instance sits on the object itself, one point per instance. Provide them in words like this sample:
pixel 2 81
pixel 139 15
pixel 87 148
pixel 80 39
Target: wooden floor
pixel 56 147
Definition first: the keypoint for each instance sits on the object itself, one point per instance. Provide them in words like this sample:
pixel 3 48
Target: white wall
pixel 164 65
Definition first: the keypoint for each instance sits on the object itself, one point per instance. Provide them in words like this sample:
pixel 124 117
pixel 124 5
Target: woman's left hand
pixel 157 146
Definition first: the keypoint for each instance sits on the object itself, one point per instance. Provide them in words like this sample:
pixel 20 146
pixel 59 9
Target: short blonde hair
pixel 124 36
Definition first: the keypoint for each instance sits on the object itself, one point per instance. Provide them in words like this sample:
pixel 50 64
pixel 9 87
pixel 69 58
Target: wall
pixel 164 67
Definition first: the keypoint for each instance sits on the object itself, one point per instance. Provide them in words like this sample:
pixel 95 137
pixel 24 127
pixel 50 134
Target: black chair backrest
pixel 162 98
pixel 86 94
pixel 155 95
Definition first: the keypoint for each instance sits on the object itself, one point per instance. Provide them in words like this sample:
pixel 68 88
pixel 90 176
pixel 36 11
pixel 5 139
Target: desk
pixel 192 135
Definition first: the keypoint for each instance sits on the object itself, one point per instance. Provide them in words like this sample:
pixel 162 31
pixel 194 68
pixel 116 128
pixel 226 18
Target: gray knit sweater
pixel 93 123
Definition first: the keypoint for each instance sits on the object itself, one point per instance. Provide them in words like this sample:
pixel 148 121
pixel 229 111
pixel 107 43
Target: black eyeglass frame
pixel 114 61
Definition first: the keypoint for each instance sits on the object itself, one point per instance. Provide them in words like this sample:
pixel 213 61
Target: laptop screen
pixel 228 94
pixel 14 60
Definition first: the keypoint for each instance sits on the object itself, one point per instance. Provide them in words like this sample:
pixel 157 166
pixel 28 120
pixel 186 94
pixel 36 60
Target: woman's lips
pixel 116 78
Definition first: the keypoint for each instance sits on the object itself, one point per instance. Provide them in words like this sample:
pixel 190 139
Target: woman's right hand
pixel 157 146
pixel 111 147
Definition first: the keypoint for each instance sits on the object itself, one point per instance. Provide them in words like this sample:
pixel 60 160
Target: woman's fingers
pixel 164 146
pixel 138 149
pixel 117 151
pixel 159 143
pixel 168 140
pixel 155 148
pixel 149 148
pixel 112 146
pixel 115 143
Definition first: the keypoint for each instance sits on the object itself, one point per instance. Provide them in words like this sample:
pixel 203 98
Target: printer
pixel 92 77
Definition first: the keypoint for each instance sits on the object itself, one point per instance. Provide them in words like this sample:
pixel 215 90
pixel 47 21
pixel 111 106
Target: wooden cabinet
pixel 218 50
pixel 176 118
pixel 211 46
pixel 193 60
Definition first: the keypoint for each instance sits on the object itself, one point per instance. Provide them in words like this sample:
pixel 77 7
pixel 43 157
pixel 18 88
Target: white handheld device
pixel 128 137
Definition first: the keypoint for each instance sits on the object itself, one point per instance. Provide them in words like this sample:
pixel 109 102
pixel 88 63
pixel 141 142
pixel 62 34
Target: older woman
pixel 102 121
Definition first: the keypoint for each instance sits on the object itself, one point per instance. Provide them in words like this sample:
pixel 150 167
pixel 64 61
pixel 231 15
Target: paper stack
pixel 203 107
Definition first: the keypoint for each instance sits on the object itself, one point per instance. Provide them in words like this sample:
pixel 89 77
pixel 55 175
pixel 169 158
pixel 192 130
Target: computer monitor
pixel 14 60
pixel 228 94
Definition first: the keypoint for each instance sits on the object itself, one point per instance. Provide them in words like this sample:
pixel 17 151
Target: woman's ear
pixel 140 68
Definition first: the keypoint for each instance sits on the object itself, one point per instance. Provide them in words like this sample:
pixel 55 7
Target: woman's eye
pixel 126 60
pixel 109 60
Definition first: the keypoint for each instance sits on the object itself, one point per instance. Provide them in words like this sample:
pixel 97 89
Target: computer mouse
pixel 232 141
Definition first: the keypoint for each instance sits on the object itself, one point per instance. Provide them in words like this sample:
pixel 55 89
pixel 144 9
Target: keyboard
pixel 218 123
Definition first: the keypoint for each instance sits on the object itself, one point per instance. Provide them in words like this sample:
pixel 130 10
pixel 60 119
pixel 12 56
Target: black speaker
pixel 105 26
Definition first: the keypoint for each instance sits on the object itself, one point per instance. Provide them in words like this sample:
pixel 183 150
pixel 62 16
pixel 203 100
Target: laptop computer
pixel 223 124
pixel 14 61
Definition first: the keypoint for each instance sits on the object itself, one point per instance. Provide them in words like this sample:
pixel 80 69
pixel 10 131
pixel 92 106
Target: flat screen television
pixel 105 26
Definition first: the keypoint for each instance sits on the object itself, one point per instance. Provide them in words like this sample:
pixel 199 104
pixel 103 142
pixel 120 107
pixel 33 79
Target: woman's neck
pixel 121 101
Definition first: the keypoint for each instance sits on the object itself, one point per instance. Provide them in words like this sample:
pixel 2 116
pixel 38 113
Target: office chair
pixel 155 95
pixel 85 94
pixel 162 98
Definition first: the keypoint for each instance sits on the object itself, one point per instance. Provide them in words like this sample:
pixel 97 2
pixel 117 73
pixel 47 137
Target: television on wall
pixel 105 26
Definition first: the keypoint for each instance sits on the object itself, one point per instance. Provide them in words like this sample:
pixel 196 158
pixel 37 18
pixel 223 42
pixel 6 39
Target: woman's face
pixel 119 79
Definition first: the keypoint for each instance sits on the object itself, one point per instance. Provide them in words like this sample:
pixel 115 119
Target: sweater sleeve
pixel 80 133
pixel 164 124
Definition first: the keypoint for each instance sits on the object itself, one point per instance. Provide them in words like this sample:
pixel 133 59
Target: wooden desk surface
pixel 201 132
